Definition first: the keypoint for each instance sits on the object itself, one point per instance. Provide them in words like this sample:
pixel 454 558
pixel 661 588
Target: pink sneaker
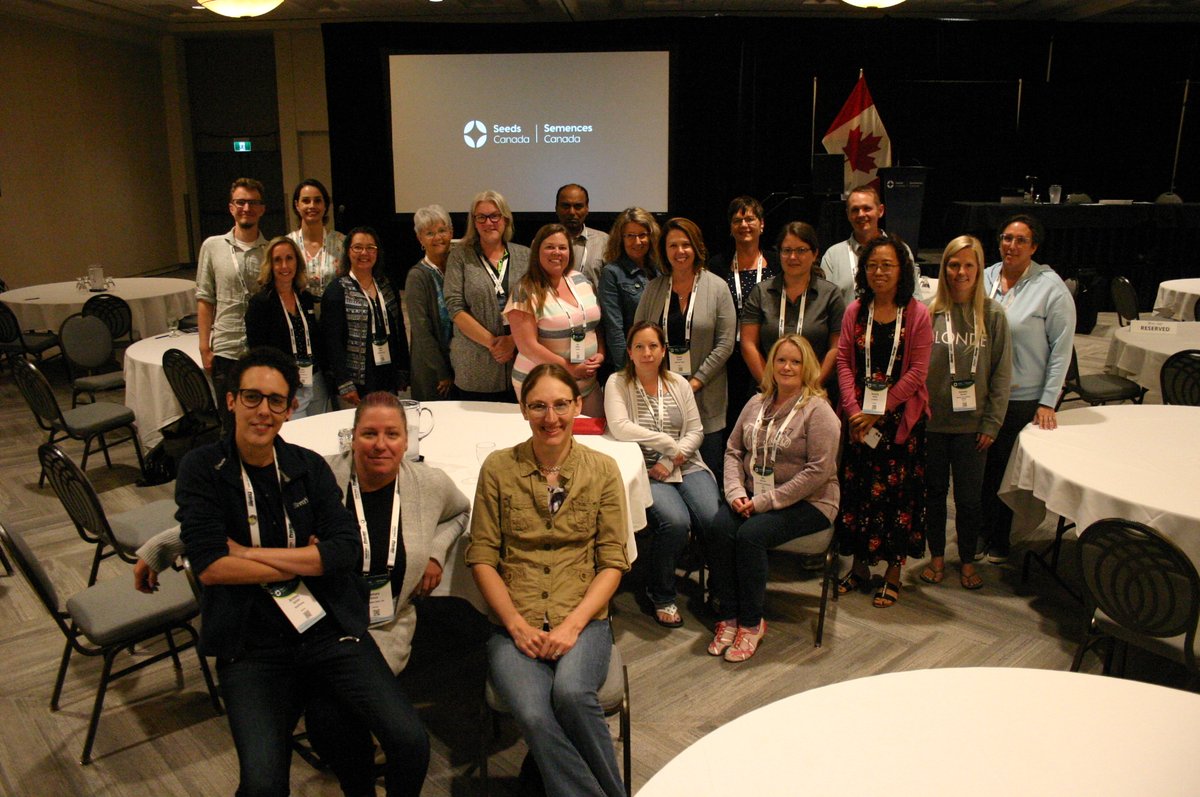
pixel 726 632
pixel 746 642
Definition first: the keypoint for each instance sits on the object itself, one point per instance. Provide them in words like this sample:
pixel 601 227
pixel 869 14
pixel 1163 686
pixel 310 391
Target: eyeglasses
pixel 636 236
pixel 276 403
pixel 358 249
pixel 882 266
pixel 247 203
pixel 434 233
pixel 1019 240
pixel 797 252
pixel 494 218
pixel 740 220
pixel 539 409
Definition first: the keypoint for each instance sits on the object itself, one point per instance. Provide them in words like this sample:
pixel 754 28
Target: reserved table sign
pixel 1155 327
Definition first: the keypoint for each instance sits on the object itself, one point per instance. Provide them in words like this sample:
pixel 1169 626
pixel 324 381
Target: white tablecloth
pixel 1177 298
pixel 152 302
pixel 1139 355
pixel 1136 462
pixel 147 392
pixel 1026 732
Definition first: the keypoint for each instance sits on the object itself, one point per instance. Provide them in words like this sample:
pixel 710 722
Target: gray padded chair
pixel 1098 389
pixel 119 534
pixel 1125 300
pixel 109 617
pixel 818 544
pixel 87 348
pixel 16 343
pixel 88 423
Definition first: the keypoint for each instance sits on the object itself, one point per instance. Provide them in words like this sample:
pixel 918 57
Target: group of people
pixel 772 392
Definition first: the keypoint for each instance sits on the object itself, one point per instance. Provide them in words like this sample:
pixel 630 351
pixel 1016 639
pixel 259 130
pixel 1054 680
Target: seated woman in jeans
pixel 547 550
pixel 780 482
pixel 647 404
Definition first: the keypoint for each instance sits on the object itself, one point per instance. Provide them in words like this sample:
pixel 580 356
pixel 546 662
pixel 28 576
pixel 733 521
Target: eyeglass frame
pixel 270 397
pixel 540 410
pixel 247 203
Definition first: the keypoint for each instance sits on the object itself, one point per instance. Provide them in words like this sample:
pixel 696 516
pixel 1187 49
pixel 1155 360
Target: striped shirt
pixel 555 325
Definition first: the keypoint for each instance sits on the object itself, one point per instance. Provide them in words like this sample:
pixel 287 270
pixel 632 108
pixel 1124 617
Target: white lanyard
pixel 566 308
pixel 737 276
pixel 661 419
pixel 769 458
pixel 783 308
pixel 687 321
pixel 382 305
pixel 895 342
pixel 292 330
pixel 252 508
pixel 950 349
pixel 1007 299
pixel 393 529
pixel 425 262
pixel 497 273
pixel 240 269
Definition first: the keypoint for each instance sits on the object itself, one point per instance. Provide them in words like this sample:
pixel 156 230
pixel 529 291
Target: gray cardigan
pixel 429 350
pixel 468 289
pixel 714 331
pixel 620 410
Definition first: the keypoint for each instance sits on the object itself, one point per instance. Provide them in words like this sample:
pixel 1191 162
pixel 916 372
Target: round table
pixel 1140 355
pixel 152 301
pixel 1000 731
pixel 1177 299
pixel 147 391
pixel 1125 461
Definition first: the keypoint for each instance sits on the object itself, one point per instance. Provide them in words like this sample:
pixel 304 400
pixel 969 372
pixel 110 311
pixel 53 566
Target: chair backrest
pixel 77 495
pixel 86 342
pixel 37 393
pixel 1140 579
pixel 21 554
pixel 1125 300
pixel 1179 378
pixel 188 383
pixel 113 311
pixel 10 328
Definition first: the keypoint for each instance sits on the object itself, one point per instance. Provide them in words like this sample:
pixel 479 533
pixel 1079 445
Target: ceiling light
pixel 240 8
pixel 873 3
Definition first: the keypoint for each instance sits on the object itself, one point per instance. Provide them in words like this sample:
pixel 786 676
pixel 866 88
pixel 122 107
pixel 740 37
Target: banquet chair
pixel 200 422
pixel 1139 589
pixel 17 344
pixel 88 423
pixel 1180 378
pixel 87 349
pixel 1125 300
pixel 1098 389
pixel 119 534
pixel 614 699
pixel 116 315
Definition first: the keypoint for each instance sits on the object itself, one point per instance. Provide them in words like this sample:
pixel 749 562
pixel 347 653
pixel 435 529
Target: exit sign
pixel 242 145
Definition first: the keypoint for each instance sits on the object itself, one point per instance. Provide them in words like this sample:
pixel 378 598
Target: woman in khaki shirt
pixel 547 550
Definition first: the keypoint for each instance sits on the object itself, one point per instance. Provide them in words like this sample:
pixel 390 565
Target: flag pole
pixel 1187 83
pixel 812 144
pixel 1020 87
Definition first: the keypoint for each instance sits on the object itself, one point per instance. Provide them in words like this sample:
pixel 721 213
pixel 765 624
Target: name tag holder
pixel 306 371
pixel 962 391
pixel 875 397
pixel 875 392
pixel 679 358
pixel 764 479
pixel 382 604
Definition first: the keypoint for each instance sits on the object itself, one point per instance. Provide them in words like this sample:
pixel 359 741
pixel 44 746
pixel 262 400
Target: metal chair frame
pixel 116 315
pixel 1179 378
pixel 1078 385
pixel 11 333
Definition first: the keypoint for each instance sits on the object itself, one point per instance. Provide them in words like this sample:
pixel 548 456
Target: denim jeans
pixel 558 710
pixel 737 555
pixel 312 399
pixel 997 517
pixel 266 689
pixel 944 454
pixel 677 507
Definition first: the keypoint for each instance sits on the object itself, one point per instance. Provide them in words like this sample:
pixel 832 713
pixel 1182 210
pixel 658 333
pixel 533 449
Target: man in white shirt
pixel 226 273
pixel 864 209
pixel 571 205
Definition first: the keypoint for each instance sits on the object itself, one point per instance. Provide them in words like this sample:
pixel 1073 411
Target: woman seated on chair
pixel 780 482
pixel 547 550
pixel 649 405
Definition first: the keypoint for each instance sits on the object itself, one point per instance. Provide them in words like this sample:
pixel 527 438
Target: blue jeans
pixel 266 689
pixel 677 507
pixel 946 453
pixel 558 710
pixel 312 399
pixel 737 555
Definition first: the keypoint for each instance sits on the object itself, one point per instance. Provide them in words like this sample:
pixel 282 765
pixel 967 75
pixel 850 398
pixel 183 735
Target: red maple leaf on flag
pixel 860 150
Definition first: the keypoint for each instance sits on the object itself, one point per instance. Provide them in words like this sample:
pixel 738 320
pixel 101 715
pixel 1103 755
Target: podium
pixel 903 190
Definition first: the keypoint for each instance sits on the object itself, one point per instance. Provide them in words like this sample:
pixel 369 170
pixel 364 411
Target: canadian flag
pixel 858 133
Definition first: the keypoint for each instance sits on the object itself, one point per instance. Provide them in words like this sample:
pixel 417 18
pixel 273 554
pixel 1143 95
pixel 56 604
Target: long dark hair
pixel 344 266
pixel 630 371
pixel 907 285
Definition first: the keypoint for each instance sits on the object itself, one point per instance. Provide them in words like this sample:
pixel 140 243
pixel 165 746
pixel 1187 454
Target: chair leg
pixel 104 449
pixel 137 447
pixel 4 561
pixel 174 650
pixel 826 579
pixel 62 676
pixel 105 674
pixel 208 681
pixel 626 735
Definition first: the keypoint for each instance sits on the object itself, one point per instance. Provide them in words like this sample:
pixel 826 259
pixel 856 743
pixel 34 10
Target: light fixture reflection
pixel 873 3
pixel 240 8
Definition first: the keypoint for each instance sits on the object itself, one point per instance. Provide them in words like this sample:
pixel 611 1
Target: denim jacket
pixel 621 286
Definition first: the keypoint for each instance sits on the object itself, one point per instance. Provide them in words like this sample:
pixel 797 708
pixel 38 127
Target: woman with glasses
pixel 694 308
pixel 367 348
pixel 883 359
pixel 1041 324
pixel 322 247
pixel 797 301
pixel 481 272
pixel 647 404
pixel 548 534
pixel 425 301
pixel 282 314
pixel 630 261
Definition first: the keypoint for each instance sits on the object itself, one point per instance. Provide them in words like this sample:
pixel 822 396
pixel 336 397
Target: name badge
pixel 680 360
pixel 962 395
pixel 875 398
pixel 872 437
pixel 297 603
pixel 578 354
pixel 306 372
pixel 382 605
pixel 381 352
pixel 764 479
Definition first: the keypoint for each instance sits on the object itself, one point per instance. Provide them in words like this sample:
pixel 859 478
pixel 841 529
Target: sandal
pixel 887 595
pixel 668 616
pixel 746 642
pixel 970 580
pixel 933 575
pixel 853 582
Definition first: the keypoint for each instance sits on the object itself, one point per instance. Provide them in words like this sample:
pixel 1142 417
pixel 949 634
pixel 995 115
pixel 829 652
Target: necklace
pixel 549 468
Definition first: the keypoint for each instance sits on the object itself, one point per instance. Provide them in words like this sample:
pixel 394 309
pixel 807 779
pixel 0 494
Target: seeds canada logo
pixel 475 134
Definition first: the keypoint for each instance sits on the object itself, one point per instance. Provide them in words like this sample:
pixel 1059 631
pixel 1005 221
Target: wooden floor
pixel 159 735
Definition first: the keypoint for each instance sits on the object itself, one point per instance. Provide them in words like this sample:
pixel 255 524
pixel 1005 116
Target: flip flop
pixel 668 616
pixel 973 581
pixel 932 575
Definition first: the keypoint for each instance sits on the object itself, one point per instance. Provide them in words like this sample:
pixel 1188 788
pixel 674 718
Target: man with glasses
pixel 227 268
pixel 571 206
pixel 864 209
pixel 267 535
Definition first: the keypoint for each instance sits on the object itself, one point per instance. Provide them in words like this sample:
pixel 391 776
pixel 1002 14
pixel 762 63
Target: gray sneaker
pixel 997 557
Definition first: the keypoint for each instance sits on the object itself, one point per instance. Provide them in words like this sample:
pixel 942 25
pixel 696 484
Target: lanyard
pixel 393 529
pixel 496 272
pixel 240 270
pixel 769 458
pixel 292 330
pixel 783 308
pixel 377 305
pixel 566 308
pixel 661 419
pixel 252 509
pixel 950 349
pixel 321 257
pixel 737 276
pixel 1007 299
pixel 687 321
pixel 895 342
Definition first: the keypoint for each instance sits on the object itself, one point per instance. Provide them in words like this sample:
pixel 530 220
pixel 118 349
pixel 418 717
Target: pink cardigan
pixel 909 388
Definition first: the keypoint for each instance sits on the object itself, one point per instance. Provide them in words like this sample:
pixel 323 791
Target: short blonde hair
pixel 266 274
pixel 471 235
pixel 810 369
